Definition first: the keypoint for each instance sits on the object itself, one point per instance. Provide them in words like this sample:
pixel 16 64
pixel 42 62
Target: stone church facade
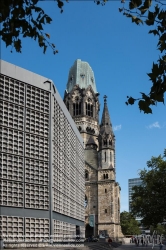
pixel 102 192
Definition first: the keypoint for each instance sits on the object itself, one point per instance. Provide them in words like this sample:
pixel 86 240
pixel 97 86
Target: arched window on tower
pixel 110 142
pixel 77 108
pixel 86 175
pixel 89 109
pixel 105 142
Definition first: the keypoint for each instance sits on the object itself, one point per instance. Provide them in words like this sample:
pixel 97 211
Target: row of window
pixel 77 109
pixel 106 156
pixel 105 142
pixel 105 176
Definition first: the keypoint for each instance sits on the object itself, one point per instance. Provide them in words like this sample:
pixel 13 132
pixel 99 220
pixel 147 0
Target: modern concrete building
pixel 42 160
pixel 102 195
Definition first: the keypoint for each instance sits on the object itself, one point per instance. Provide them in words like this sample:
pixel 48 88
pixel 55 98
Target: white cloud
pixel 117 127
pixel 154 125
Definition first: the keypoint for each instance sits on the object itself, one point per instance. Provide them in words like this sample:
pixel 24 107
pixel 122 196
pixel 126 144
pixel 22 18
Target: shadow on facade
pixel 88 231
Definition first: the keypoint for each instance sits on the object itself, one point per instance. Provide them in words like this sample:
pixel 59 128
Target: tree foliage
pixel 143 12
pixel 148 200
pixel 24 18
pixel 128 223
pixel 159 229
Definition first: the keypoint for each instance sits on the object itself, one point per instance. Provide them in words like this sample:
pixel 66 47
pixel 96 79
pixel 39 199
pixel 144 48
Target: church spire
pixel 105 121
pixel 106 135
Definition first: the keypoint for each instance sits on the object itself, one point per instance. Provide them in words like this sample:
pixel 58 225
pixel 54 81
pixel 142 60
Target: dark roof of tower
pixel 106 125
pixel 81 74
pixel 91 141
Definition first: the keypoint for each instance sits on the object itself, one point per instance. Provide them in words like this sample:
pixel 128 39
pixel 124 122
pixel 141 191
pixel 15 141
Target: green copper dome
pixel 81 74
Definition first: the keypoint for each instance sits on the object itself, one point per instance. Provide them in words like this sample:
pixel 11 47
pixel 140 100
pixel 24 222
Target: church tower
pixel 108 188
pixel 102 204
pixel 106 140
pixel 81 99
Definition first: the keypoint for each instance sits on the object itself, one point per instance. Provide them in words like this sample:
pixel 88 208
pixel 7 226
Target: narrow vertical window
pixel 86 175
pixel 74 109
pixel 103 176
pixel 105 142
pixel 110 156
pixel 105 210
pixel 110 143
pixel 89 109
pixel 77 108
pixel 105 190
pixel 105 156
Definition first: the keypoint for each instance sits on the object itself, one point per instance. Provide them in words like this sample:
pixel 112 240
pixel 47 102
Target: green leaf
pixel 60 4
pixel 161 15
pixel 42 20
pixel 134 4
pixel 150 15
pixel 37 9
pixel 143 10
pixel 35 1
pixel 17 45
pixel 131 101
pixel 44 49
pixel 47 35
pixel 48 19
pixel 127 15
pixel 147 3
pixel 40 39
pixel 143 106
pixel 155 32
pixel 136 20
pixel 159 97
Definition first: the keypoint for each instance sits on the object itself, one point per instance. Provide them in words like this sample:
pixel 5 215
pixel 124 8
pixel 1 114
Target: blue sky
pixel 120 54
